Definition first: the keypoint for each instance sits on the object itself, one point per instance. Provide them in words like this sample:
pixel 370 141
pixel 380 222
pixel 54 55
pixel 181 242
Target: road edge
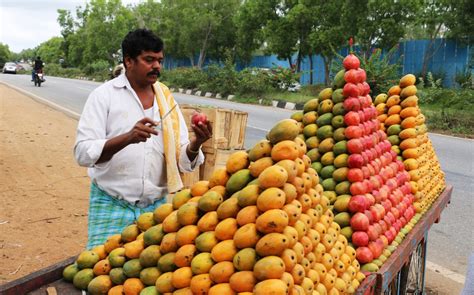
pixel 44 101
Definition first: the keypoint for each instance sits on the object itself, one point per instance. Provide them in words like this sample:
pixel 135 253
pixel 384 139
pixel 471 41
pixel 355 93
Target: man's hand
pixel 142 130
pixel 139 133
pixel 203 132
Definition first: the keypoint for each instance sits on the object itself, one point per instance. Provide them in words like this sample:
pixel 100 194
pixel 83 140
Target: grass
pixel 452 121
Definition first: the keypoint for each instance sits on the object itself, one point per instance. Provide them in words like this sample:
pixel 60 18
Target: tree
pixel 97 31
pixel 148 15
pixel 4 54
pixel 378 23
pixel 203 28
pixel 51 51
pixel 461 23
pixel 328 35
pixel 106 25
pixel 250 22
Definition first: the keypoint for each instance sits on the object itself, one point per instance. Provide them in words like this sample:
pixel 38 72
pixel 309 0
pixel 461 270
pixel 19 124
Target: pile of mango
pixel 324 199
pixel 367 185
pixel 401 117
pixel 260 225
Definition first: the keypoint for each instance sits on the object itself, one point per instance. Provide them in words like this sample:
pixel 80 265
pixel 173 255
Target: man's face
pixel 146 67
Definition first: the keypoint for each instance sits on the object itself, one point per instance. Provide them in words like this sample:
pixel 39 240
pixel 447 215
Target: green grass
pixel 288 96
pixel 453 121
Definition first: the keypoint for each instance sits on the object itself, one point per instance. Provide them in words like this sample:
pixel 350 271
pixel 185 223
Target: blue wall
pixel 450 58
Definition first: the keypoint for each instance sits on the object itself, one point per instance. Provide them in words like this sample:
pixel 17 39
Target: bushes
pixel 224 80
pixel 448 109
pixel 57 70
pixel 253 82
pixel 183 77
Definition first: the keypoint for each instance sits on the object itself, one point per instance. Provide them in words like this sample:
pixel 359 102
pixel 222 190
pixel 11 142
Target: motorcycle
pixel 39 78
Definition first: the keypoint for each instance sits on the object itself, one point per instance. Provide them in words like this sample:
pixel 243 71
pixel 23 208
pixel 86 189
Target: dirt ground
pixel 43 192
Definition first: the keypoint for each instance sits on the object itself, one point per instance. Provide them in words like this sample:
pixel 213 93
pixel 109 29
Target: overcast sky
pixel 27 23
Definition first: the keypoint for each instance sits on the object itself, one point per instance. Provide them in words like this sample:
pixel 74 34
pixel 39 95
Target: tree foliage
pixel 5 54
pixel 200 30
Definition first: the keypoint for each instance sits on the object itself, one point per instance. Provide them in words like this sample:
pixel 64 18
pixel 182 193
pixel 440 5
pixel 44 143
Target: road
pixel 450 242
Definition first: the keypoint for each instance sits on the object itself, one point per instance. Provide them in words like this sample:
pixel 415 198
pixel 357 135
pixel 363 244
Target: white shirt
pixel 136 173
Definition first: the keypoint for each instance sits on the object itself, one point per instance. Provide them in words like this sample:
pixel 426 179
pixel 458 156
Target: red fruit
pixel 355 160
pixel 383 225
pixel 391 183
pixel 375 249
pixel 199 118
pixel 352 76
pixel 387 205
pixel 365 89
pixel 390 236
pixel 368 185
pixel 379 212
pixel 351 62
pixel 360 239
pixel 354 146
pixel 353 132
pixel 375 184
pixel 370 199
pixel 357 203
pixel 360 222
pixel 366 171
pixel 372 233
pixel 350 90
pixel 351 104
pixel 364 255
pixel 395 212
pixel 403 220
pixel 352 118
pixel 358 188
pixel 355 175
pixel 370 167
pixel 362 75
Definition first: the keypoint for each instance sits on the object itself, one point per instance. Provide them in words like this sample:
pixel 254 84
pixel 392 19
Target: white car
pixel 9 67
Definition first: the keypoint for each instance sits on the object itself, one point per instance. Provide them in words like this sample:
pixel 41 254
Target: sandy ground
pixel 44 193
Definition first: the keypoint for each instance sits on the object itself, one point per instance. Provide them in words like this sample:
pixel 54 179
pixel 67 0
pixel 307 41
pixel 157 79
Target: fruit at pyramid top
pixel 351 62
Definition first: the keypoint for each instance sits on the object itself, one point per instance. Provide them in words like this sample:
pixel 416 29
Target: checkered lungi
pixel 109 216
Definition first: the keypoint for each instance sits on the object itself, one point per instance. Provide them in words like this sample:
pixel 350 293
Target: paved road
pixel 450 242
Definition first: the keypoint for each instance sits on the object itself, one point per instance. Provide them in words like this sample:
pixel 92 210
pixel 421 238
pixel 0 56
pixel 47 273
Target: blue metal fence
pixel 450 58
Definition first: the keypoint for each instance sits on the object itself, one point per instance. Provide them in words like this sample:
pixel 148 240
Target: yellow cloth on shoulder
pixel 171 136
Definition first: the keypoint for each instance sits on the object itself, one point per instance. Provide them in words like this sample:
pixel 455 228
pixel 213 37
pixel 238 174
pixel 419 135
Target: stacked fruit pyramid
pixel 401 117
pixel 260 225
pixel 366 184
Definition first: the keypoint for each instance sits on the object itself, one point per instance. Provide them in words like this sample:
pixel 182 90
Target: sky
pixel 27 23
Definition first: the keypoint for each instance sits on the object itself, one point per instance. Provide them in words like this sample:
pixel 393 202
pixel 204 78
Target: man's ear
pixel 127 61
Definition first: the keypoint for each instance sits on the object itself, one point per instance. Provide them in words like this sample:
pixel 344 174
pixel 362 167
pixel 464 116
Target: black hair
pixel 140 40
pixel 38 57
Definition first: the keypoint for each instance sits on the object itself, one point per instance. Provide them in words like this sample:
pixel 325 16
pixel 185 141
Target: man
pixel 134 140
pixel 37 67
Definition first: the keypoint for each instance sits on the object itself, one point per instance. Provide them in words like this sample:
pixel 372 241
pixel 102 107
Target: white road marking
pixel 458 278
pixel 450 136
pixel 258 128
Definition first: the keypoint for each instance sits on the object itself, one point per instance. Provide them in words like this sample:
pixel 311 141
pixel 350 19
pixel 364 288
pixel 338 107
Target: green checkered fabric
pixel 109 216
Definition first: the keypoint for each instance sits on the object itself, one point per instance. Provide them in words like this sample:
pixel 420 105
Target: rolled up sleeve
pixel 185 165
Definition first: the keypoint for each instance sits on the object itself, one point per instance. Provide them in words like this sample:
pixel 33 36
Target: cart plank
pixel 41 279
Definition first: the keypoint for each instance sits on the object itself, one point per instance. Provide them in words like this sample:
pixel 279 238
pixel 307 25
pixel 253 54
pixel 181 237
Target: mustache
pixel 154 72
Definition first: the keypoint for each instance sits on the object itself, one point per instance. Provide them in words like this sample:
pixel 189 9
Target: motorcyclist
pixel 37 68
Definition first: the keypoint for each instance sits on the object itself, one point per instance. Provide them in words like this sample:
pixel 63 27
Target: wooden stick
pixel 18 269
